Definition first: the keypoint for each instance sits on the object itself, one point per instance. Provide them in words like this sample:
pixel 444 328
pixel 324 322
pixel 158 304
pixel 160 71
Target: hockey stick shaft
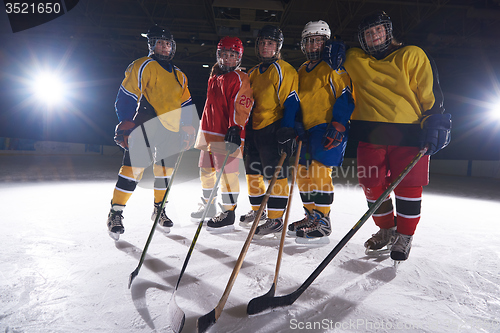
pixel 274 302
pixel 175 315
pixel 287 215
pixel 200 225
pixel 272 290
pixel 210 318
pixel 153 228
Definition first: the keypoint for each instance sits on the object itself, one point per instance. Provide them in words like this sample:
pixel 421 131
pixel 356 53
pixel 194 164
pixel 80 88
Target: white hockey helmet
pixel 312 30
pixel 315 28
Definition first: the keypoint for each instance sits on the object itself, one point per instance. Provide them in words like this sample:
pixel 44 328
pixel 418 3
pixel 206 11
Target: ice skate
pixel 400 250
pixel 115 224
pixel 271 227
pixel 316 233
pixel 380 242
pixel 246 220
pixel 212 211
pixel 305 222
pixel 163 220
pixel 224 222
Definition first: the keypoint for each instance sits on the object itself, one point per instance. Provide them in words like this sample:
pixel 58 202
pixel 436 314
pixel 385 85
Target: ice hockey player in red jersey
pixel 222 128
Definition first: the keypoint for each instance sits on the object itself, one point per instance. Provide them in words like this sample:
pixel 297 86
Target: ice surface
pixel 61 272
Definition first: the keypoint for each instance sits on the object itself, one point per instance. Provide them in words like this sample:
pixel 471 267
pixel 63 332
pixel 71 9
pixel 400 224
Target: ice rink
pixel 61 272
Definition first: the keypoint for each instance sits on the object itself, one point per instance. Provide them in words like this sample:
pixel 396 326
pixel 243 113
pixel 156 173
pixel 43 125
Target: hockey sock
pixel 408 204
pixel 128 177
pixel 207 178
pixel 278 199
pixel 384 215
pixel 162 177
pixel 321 179
pixel 305 187
pixel 256 190
pixel 230 189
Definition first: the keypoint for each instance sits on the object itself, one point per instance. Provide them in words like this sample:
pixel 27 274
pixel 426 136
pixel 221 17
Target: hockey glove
pixel 333 136
pixel 436 132
pixel 233 139
pixel 286 140
pixel 122 132
pixel 334 53
pixel 301 131
pixel 188 135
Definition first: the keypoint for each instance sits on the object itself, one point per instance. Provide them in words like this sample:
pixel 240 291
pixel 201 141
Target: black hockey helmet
pixel 377 18
pixel 273 33
pixel 156 33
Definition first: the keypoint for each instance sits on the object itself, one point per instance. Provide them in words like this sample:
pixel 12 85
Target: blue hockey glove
pixel 334 53
pixel 286 140
pixel 333 136
pixel 233 139
pixel 436 132
pixel 122 132
pixel 301 132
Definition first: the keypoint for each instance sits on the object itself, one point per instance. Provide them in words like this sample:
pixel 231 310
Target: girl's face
pixel 229 58
pixel 267 48
pixel 315 44
pixel 163 47
pixel 375 35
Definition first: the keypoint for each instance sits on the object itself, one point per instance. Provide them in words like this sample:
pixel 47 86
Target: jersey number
pixel 245 101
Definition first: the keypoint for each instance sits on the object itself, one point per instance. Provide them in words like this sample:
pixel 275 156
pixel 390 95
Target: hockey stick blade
pixel 269 301
pixel 132 276
pixel 206 321
pixel 175 316
pixel 255 304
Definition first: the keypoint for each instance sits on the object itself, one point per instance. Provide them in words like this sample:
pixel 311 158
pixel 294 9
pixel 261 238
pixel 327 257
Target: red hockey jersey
pixel 229 103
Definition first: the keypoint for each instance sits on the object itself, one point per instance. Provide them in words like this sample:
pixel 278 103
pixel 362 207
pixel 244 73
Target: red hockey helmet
pixel 234 45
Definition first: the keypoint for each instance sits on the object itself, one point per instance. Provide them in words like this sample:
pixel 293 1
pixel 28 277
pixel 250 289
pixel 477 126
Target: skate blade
pixel 166 229
pixel 248 225
pixel 197 221
pixel 374 253
pixel 396 263
pixel 271 235
pixel 291 233
pixel 221 230
pixel 312 241
pixel 114 235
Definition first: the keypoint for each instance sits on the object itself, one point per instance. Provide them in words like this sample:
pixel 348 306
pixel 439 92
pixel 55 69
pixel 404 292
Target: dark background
pixel 93 44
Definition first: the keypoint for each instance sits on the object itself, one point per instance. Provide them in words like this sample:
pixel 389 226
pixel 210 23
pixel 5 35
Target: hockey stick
pixel 210 318
pixel 263 303
pixel 272 291
pixel 153 228
pixel 175 315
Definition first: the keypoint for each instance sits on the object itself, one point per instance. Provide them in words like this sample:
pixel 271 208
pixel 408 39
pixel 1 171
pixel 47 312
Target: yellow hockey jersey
pixel 319 88
pixel 392 94
pixel 164 87
pixel 275 94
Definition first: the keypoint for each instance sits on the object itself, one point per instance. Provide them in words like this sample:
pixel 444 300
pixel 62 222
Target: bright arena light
pixel 49 88
pixel 495 111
